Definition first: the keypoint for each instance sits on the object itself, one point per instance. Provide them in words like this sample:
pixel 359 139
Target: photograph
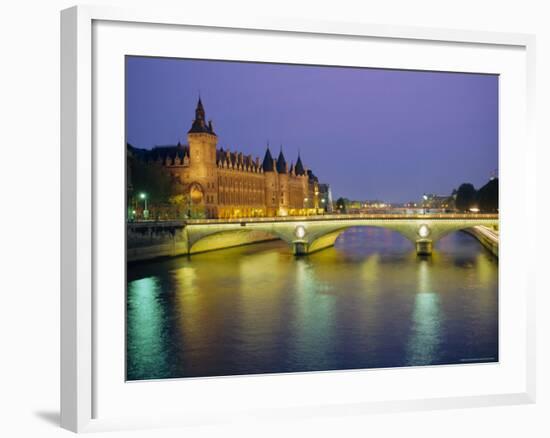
pixel 291 218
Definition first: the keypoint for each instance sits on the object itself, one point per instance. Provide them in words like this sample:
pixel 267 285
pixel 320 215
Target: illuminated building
pixel 215 182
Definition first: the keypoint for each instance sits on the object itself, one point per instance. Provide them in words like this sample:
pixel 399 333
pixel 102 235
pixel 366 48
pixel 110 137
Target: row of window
pixel 238 183
pixel 241 198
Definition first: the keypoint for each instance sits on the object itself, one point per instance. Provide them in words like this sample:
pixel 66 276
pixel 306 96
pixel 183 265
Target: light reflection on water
pixel 368 302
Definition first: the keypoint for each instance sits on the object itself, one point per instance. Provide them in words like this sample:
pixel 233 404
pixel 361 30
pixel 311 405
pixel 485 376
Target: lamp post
pixel 305 205
pixel 425 198
pixel 143 196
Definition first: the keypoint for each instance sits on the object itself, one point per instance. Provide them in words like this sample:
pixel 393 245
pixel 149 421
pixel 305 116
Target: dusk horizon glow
pixel 390 135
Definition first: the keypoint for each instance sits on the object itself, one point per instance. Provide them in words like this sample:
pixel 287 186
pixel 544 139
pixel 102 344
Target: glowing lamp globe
pixel 300 231
pixel 423 231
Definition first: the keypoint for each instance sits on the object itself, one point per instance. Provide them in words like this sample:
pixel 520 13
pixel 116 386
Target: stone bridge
pixel 304 235
pixel 312 233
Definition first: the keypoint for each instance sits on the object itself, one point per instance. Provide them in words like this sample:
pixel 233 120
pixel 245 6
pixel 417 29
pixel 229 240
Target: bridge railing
pixel 176 224
pixel 358 216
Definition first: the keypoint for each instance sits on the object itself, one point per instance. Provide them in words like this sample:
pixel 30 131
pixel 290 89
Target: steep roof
pixel 281 162
pixel 299 168
pixel 199 124
pixel 164 153
pixel 311 176
pixel 268 161
pixel 235 158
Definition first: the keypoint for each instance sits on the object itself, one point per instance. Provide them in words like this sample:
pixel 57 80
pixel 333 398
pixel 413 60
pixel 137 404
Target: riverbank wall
pixel 151 240
pixel 486 236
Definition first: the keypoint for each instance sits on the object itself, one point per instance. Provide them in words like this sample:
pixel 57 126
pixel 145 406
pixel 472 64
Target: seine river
pixel 368 302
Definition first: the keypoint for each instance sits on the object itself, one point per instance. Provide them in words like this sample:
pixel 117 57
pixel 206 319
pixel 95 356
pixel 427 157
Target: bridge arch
pixel 422 234
pixel 228 238
pixel 330 238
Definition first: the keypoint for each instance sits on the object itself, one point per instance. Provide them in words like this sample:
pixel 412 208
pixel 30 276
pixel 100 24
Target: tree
pixel 466 197
pixel 150 178
pixel 179 204
pixel 341 205
pixel 487 196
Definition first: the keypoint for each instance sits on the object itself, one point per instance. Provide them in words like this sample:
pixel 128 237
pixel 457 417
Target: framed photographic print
pixel 291 218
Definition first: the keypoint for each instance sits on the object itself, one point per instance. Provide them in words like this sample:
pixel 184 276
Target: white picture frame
pixel 80 312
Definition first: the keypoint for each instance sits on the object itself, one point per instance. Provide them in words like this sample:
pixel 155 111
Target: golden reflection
pixel 487 279
pixel 262 282
pixel 314 320
pixel 426 320
pixel 186 277
pixel 370 271
pixel 485 269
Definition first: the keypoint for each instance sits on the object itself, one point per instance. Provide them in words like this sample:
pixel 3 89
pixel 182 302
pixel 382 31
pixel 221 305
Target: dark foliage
pixel 487 196
pixel 466 197
pixel 150 178
pixel 341 205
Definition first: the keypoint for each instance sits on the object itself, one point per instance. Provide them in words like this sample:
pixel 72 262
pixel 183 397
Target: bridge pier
pixel 424 247
pixel 300 248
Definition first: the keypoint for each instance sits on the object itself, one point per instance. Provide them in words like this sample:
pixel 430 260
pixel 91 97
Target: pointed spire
pixel 199 103
pixel 267 164
pixel 281 162
pixel 299 168
pixel 199 111
pixel 199 124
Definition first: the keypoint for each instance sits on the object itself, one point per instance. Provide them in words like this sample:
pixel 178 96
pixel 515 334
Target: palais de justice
pixel 214 182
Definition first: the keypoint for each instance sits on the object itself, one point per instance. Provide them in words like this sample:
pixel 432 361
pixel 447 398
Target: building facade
pixel 213 182
pixel 431 201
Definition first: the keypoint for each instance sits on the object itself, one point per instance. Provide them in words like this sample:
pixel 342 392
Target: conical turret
pixel 281 162
pixel 267 164
pixel 199 124
pixel 299 168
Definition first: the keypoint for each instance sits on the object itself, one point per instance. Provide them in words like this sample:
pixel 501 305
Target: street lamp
pixel 425 197
pixel 143 196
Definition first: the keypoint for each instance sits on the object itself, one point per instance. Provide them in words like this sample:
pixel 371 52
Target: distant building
pixel 216 183
pixel 368 206
pixel 325 197
pixel 437 202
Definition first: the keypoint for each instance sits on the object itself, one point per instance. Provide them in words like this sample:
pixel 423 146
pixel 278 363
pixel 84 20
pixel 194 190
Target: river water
pixel 368 302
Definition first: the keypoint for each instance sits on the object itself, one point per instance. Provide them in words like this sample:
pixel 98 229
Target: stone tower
pixel 301 172
pixel 202 163
pixel 271 184
pixel 284 191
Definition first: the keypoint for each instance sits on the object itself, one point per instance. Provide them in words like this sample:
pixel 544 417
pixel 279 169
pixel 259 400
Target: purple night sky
pixel 371 134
